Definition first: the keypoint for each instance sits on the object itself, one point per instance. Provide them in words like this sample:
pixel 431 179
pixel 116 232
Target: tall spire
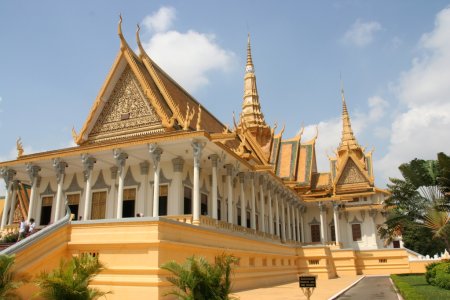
pixel 348 140
pixel 251 108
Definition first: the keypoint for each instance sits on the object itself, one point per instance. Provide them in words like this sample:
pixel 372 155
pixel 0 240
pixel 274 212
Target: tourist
pixel 22 229
pixel 32 226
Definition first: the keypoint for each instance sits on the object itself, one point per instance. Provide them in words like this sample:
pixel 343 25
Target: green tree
pixel 71 280
pixel 417 203
pixel 197 279
pixel 8 283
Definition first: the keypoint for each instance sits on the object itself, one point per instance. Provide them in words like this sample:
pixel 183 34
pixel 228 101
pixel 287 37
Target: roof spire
pixel 249 68
pixel 123 42
pixel 348 140
pixel 251 108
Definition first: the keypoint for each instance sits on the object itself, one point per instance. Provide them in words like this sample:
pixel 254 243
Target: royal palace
pixel 156 177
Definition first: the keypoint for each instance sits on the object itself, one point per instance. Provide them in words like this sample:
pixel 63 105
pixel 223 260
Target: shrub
pixel 438 274
pixel 11 237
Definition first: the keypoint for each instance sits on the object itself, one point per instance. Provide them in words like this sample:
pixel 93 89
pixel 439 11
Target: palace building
pixel 155 177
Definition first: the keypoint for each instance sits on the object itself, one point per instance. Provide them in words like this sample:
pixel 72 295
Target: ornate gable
pixel 351 174
pixel 127 112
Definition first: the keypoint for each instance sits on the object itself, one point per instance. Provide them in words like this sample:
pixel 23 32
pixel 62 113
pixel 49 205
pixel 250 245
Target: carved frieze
pixel 127 108
pixel 351 174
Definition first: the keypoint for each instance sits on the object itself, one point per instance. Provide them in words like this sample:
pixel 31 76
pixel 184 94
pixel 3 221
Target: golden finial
pixel 119 31
pixel 317 132
pixel 19 147
pixel 138 39
pixel 189 116
pixel 249 67
pixel 199 117
pixel 74 134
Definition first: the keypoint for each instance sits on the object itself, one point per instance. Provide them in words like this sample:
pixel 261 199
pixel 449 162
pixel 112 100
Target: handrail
pixel 38 235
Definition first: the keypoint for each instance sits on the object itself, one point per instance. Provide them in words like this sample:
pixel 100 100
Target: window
pixel 73 201
pixel 333 233
pixel 219 205
pixel 204 204
pixel 396 244
pixel 356 232
pixel 315 233
pixel 247 214
pixel 187 208
pixel 98 207
pixel 46 210
pixel 129 202
pixel 163 194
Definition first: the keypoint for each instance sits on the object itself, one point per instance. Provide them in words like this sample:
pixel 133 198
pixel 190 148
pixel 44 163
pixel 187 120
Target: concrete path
pixel 326 288
pixel 371 288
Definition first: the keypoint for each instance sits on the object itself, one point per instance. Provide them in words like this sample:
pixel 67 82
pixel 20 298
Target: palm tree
pixel 438 222
pixel 197 279
pixel 8 284
pixel 71 280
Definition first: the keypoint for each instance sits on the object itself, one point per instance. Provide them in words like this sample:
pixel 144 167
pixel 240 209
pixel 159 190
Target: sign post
pixel 307 283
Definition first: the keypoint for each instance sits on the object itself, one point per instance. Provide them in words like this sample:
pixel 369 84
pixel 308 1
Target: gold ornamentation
pixel 127 108
pixel 74 135
pixel 19 146
pixel 199 117
pixel 351 174
pixel 189 116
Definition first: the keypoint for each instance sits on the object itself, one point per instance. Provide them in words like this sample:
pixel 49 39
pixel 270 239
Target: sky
pixel 391 57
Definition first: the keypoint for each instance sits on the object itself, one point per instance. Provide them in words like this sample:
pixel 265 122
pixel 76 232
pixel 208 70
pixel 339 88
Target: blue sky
pixel 394 57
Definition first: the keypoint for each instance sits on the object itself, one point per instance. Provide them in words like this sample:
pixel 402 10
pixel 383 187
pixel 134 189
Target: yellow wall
pixel 132 252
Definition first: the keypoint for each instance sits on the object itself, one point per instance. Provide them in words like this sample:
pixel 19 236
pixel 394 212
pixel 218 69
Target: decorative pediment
pixel 126 112
pixel 351 174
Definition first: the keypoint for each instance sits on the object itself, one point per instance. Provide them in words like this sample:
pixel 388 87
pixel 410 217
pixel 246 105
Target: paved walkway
pixel 371 288
pixel 325 289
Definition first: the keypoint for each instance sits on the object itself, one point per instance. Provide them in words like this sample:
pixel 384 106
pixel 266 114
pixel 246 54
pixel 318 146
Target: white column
pixel 294 227
pixel 8 176
pixel 277 214
pixel 323 223
pixel 33 173
pixel 373 233
pixel 302 226
pixel 88 166
pixel 13 201
pixel 253 208
pixel 229 168
pixel 155 152
pixel 178 164
pixel 214 159
pixel 197 148
pixel 243 202
pixel 121 158
pixel 336 222
pixel 288 211
pixel 297 215
pixel 60 167
pixel 269 202
pixel 261 205
pixel 143 207
pixel 112 202
pixel 283 221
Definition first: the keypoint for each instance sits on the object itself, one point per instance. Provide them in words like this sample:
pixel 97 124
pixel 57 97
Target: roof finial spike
pixel 138 40
pixel 119 31
pixel 347 139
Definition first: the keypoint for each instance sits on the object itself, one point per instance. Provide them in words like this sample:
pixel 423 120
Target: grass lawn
pixel 415 287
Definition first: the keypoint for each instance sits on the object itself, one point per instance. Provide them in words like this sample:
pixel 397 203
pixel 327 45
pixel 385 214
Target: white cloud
pixel 361 33
pixel 422 130
pixel 188 57
pixel 161 20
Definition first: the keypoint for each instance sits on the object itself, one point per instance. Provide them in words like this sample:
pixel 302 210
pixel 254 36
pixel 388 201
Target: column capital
pixel 33 171
pixel 114 170
pixel 121 158
pixel 336 206
pixel 241 177
pixel 7 174
pixel 229 168
pixel 262 179
pixel 363 214
pixel 88 165
pixel 373 213
pixel 322 207
pixel 144 166
pixel 155 152
pixel 178 164
pixel 197 148
pixel 60 168
pixel 214 159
